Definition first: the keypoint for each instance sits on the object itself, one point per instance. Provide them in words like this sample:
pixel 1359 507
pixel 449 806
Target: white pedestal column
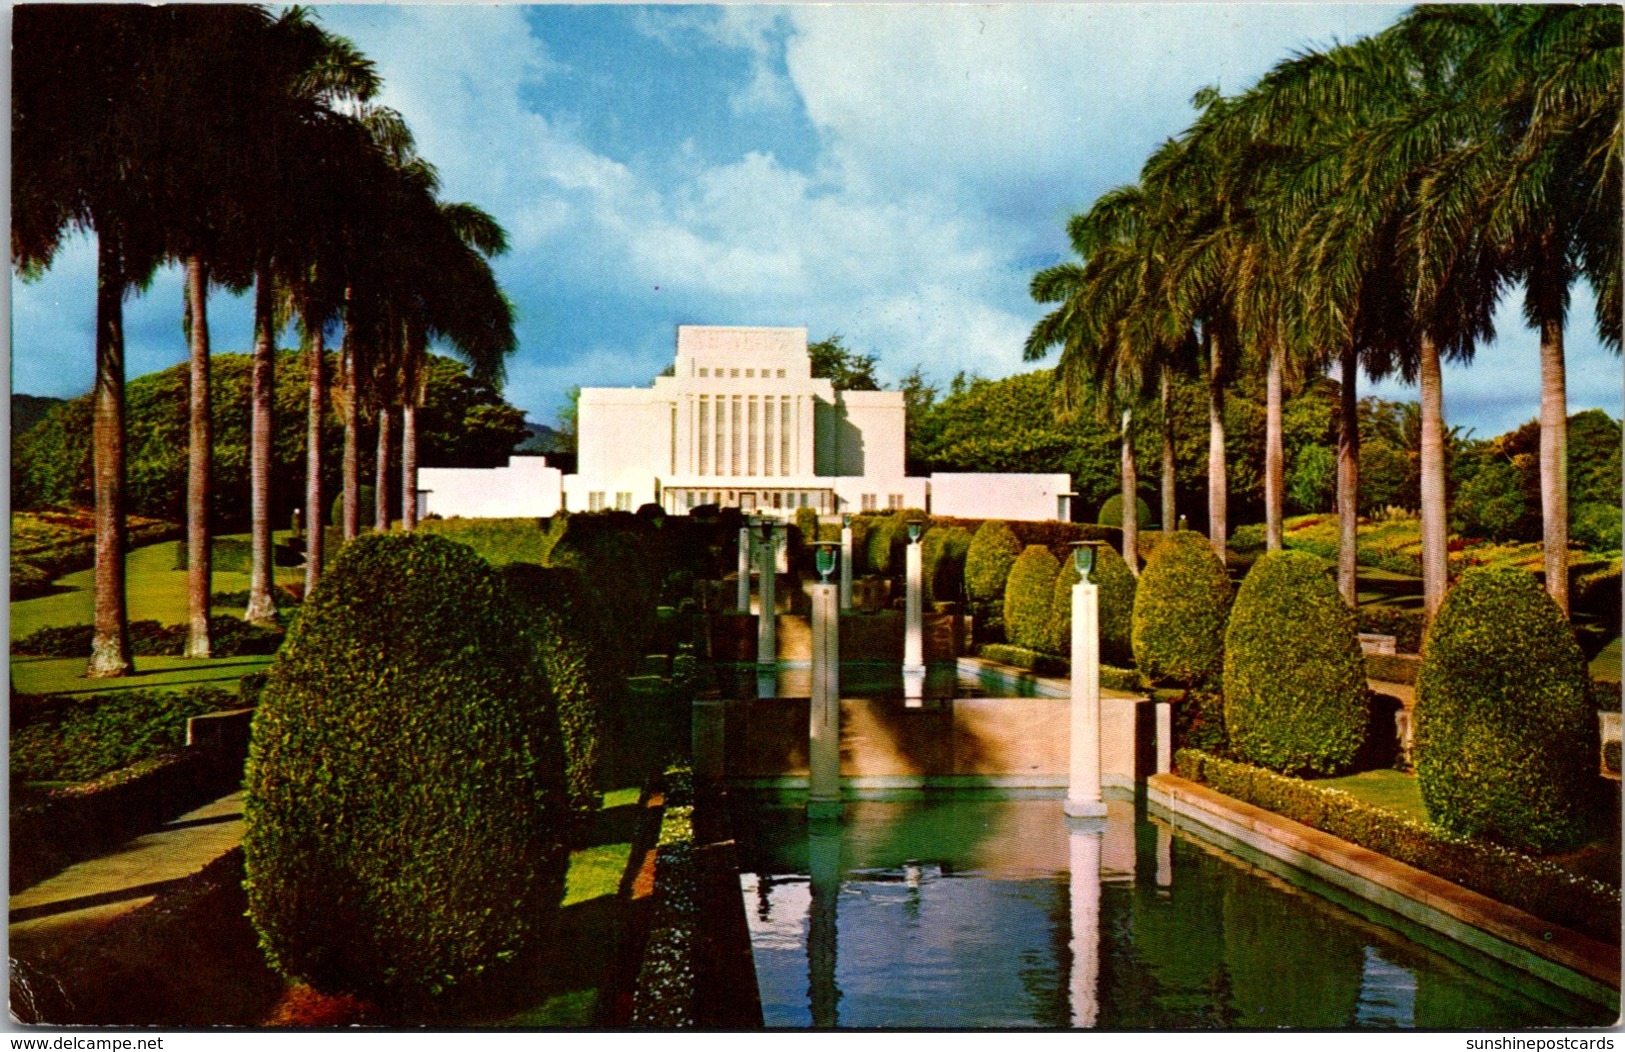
pixel 743 601
pixel 1083 850
pixel 1165 737
pixel 1083 782
pixel 824 732
pixel 767 621
pixel 914 623
pixel 846 567
pixel 913 689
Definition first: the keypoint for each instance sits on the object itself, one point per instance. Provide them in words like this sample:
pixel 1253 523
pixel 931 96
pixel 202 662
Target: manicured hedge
pixel 1532 884
pixel 1117 585
pixel 993 551
pixel 1111 677
pixel 572 634
pixel 77 739
pixel 406 801
pixel 1111 512
pixel 1027 597
pixel 228 637
pixel 1180 609
pixel 942 563
pixel 1506 742
pixel 1294 677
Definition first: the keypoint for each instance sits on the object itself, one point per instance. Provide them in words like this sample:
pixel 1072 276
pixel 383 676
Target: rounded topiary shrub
pixel 406 803
pixel 364 500
pixel 1294 676
pixel 1505 743
pixel 1116 598
pixel 993 551
pixel 572 634
pixel 1027 597
pixel 1180 609
pixel 883 542
pixel 1111 512
pixel 942 563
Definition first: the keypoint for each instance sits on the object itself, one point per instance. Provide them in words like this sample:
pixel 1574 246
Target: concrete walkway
pixel 83 898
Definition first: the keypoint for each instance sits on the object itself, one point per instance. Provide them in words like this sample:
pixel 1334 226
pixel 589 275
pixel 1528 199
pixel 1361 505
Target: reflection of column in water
pixel 913 688
pixel 824 866
pixel 743 599
pixel 1165 857
pixel 913 619
pixel 767 638
pixel 913 879
pixel 1083 844
pixel 764 897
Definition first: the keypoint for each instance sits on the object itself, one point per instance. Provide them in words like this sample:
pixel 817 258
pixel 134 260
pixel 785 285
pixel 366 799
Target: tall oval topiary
pixel 406 805
pixel 1117 585
pixel 572 634
pixel 942 563
pixel 1180 609
pixel 1027 597
pixel 1111 512
pixel 993 551
pixel 1295 697
pixel 1505 742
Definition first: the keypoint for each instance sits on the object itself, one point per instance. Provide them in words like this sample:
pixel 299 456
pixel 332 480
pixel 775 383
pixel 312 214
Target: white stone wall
pixel 527 487
pixel 969 495
pixel 880 494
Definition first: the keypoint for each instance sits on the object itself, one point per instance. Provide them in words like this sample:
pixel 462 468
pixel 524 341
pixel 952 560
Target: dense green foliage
pixel 84 737
pixel 942 563
pixel 1294 676
pixel 573 638
pixel 1538 886
pixel 1111 677
pixel 229 637
pixel 1117 585
pixel 992 552
pixel 461 424
pixel 1180 609
pixel 1405 626
pixel 1027 597
pixel 1506 744
pixel 626 560
pixel 406 797
pixel 1111 512
pixel 503 541
pixel 366 507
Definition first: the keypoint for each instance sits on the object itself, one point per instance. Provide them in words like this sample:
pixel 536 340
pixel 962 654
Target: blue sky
pixel 893 173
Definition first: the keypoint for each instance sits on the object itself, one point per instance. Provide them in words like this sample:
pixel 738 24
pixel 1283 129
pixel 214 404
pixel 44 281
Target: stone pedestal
pixel 1083 852
pixel 767 622
pixel 743 602
pixel 824 732
pixel 1083 781
pixel 914 622
pixel 846 567
pixel 1165 737
pixel 913 688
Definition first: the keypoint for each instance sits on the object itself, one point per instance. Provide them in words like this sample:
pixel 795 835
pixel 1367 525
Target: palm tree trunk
pixel 380 496
pixel 1435 535
pixel 199 467
pixel 1274 455
pixel 1554 466
pixel 1217 482
pixel 352 447
pixel 1348 480
pixel 1169 512
pixel 315 504
pixel 261 606
pixel 110 636
pixel 409 464
pixel 1131 498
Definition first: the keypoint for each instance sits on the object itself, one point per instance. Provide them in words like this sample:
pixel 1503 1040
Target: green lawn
pixel 1390 790
pixel 1606 664
pixel 155 591
pixel 35 675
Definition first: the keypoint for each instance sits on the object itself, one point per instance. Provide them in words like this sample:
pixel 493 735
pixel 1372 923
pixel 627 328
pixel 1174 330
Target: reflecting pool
pixel 994 913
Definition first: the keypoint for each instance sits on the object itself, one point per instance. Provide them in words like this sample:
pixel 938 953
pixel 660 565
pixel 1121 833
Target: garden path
pixel 82 899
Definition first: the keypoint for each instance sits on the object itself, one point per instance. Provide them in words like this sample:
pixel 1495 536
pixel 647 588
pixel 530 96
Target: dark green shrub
pixel 1027 597
pixel 942 563
pixel 1111 512
pixel 365 497
pixel 1180 608
pixel 572 635
pixel 881 542
pixel 1116 584
pixel 1610 756
pixel 807 523
pixel 1404 625
pixel 406 799
pixel 28 580
pixel 1533 884
pixel 1506 744
pixel 1248 539
pixel 501 541
pixel 1596 527
pixel 81 738
pixel 861 525
pixel 1294 675
pixel 992 552
pixel 228 636
pixel 624 561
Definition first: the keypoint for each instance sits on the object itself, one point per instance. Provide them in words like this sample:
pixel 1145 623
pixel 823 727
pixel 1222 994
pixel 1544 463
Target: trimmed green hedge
pixel 992 552
pixel 1111 677
pixel 228 637
pixel 942 563
pixel 1117 585
pixel 572 634
pixel 406 803
pixel 1180 609
pixel 1294 676
pixel 1536 885
pixel 81 738
pixel 503 541
pixel 365 499
pixel 1027 597
pixel 1111 512
pixel 1506 742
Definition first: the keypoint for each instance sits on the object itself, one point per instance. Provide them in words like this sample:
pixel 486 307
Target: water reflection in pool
pixel 966 913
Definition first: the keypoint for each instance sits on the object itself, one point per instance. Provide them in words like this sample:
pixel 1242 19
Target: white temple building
pixel 740 421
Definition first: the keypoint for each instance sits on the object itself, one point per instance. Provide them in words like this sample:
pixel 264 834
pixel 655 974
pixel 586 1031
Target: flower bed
pixel 1531 884
pixel 664 994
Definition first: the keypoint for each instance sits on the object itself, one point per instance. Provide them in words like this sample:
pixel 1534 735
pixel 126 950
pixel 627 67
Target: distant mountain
pixel 543 439
pixel 28 410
